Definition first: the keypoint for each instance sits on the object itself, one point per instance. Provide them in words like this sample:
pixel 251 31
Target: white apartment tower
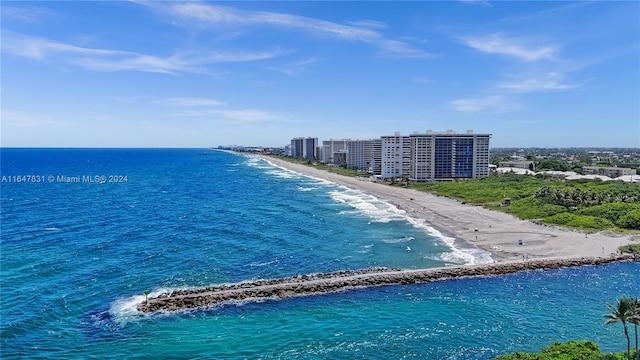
pixel 360 154
pixel 376 158
pixel 396 156
pixel 334 151
pixel 448 155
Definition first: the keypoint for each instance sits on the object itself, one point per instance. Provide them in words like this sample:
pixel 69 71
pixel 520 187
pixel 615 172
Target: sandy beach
pixel 495 232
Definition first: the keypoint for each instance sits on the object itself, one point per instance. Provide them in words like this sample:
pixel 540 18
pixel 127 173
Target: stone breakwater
pixel 302 285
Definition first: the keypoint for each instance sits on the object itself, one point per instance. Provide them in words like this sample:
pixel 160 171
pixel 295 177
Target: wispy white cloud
pixel 477 2
pixel 249 115
pixel 401 49
pixel 422 80
pixel 513 47
pixel 235 116
pixel 372 24
pixel 493 103
pixel 36 48
pixel 218 15
pixel 118 60
pixel 24 119
pixel 212 109
pixel 549 82
pixel 28 14
pixel 190 102
pixel 295 67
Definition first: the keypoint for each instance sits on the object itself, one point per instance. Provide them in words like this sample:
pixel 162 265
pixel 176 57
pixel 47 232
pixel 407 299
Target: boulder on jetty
pixel 302 285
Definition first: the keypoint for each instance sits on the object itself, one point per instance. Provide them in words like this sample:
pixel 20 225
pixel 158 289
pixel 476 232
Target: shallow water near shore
pixel 77 257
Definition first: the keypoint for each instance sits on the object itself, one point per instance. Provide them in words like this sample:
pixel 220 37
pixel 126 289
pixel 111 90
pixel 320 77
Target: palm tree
pixel 622 312
pixel 635 320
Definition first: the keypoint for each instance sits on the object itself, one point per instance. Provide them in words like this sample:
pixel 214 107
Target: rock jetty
pixel 303 285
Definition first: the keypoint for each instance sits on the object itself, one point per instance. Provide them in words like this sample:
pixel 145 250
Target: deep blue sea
pixel 85 232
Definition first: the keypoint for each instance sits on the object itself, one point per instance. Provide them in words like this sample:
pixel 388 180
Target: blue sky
pixel 199 74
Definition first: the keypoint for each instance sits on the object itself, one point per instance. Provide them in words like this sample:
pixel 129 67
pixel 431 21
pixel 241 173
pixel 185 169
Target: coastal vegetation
pixel 583 204
pixel 631 249
pixel 626 311
pixel 585 350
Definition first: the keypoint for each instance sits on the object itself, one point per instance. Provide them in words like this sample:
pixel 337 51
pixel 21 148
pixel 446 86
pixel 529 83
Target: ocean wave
pixel 271 168
pixel 457 255
pixel 273 262
pixel 380 211
pixel 302 188
pixel 399 240
pixel 368 205
pixel 283 174
pixel 125 310
pixel 313 180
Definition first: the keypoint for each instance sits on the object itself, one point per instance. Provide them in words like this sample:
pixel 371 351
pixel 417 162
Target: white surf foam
pixel 377 210
pixel 384 212
pixel 283 174
pixel 381 211
pixel 125 310
pixel 399 240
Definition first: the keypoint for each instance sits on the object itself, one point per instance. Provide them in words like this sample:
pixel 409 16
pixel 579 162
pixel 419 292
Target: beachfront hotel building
pixel 448 155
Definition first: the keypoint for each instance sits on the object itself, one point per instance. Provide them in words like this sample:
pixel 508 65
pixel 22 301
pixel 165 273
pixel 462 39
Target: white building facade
pixel 395 156
pixel 360 154
pixel 334 151
pixel 376 158
pixel 448 156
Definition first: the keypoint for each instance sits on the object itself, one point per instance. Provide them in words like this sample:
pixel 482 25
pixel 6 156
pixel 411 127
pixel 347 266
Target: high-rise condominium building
pixel 304 147
pixel 448 155
pixel 376 157
pixel 334 151
pixel 360 154
pixel 396 156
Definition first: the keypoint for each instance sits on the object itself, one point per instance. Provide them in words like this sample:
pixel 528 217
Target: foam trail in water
pixel 399 240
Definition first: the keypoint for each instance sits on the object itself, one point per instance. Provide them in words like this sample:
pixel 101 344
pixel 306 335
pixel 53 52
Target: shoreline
pixel 323 283
pixel 472 226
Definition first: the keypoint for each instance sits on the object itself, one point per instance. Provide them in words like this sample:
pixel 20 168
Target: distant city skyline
pixel 199 74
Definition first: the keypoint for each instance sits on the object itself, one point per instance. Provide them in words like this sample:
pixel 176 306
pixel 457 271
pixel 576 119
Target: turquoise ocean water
pixel 77 256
